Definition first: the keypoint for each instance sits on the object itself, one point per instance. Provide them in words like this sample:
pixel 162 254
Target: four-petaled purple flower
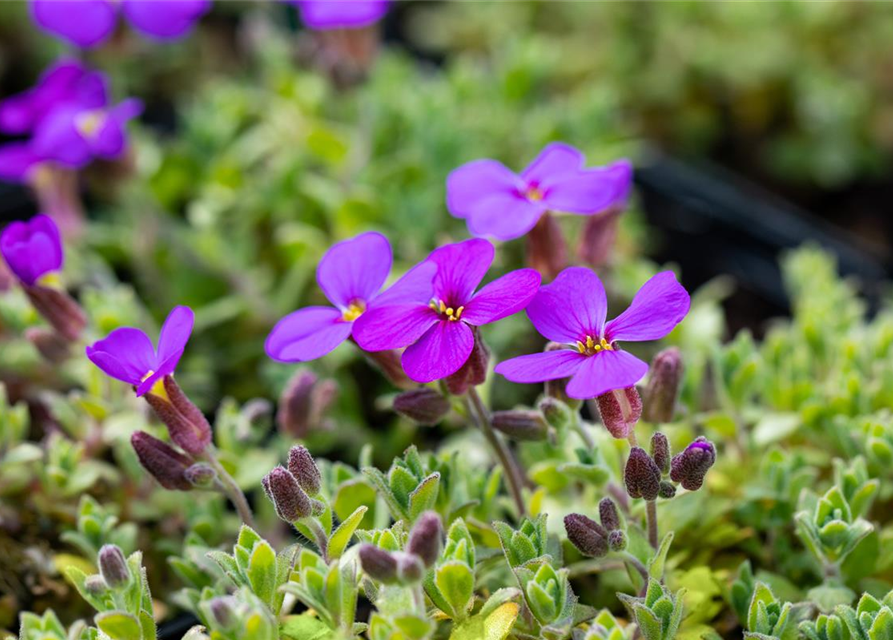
pixel 89 23
pixel 32 249
pixel 127 353
pixel 495 201
pixel 321 15
pixel 351 275
pixel 572 311
pixel 438 336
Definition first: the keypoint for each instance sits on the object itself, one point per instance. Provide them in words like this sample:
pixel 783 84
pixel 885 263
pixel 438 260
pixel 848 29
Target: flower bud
pixel 51 346
pixel 378 564
pixel 59 309
pixel 557 414
pixel 607 513
pixel 546 248
pixel 285 493
pixel 222 611
pixel 588 536
pixel 663 386
pixel 642 475
pixel 599 236
pixel 520 424
pixel 474 371
pixel 200 475
pixel 165 464
pixel 620 411
pixel 424 406
pixel 660 452
pixel 617 540
pixel 113 566
pixel 95 585
pixel 304 402
pixel 388 362
pixel 426 538
pixel 409 568
pixel 185 423
pixel 304 469
pixel 667 490
pixel 689 467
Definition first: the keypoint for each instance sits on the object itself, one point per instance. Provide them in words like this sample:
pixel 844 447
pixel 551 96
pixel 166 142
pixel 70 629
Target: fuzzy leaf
pixel 341 536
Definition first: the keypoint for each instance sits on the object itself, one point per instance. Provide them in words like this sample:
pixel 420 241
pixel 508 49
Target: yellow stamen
pixel 534 194
pixel 89 123
pixel 353 311
pixel 51 280
pixel 591 347
pixel 158 387
pixel 439 306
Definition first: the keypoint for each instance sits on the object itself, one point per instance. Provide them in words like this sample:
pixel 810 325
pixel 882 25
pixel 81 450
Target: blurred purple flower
pixel 321 15
pixel 351 275
pixel 65 83
pixel 127 353
pixel 572 311
pixel 438 335
pixel 89 23
pixel 495 201
pixel 32 249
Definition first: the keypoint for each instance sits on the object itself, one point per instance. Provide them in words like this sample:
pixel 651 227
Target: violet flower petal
pixel 504 216
pixel 392 326
pixel 475 182
pixel 439 353
pixel 175 333
pixel 110 141
pixel 539 367
pixel 57 138
pixel 17 160
pixel 416 285
pixel 460 268
pixel 341 14
pixel 502 297
pixel 553 162
pixel 164 20
pixel 307 334
pixel 572 307
pixel 656 309
pixel 126 354
pixel 32 249
pixel 583 192
pixel 605 371
pixel 83 23
pixel 355 269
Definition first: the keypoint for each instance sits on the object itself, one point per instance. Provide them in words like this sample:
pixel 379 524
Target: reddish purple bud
pixel 521 424
pixel 59 309
pixel 588 536
pixel 162 461
pixel 689 467
pixel 304 469
pixel 660 452
pixel 546 248
pixel 663 386
pixel 290 501
pixel 222 610
pixel 409 568
pixel 599 236
pixel 50 345
pixel 607 513
pixel 304 402
pixel 642 475
pixel 667 490
pixel 378 564
pixel 424 406
pixel 113 567
pixel 388 362
pixel 200 475
pixel 620 411
pixel 474 371
pixel 186 425
pixel 617 540
pixel 95 586
pixel 426 538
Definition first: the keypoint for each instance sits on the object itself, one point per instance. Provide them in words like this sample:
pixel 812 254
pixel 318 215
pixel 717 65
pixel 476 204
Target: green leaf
pixel 262 572
pixel 342 535
pixel 455 581
pixel 119 625
pixel 424 496
pixel 657 563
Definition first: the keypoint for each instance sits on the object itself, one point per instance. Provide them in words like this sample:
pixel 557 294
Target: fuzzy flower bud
pixel 423 405
pixel 598 237
pixel 663 386
pixel 285 493
pixel 667 490
pixel 95 585
pixel 689 467
pixel 409 568
pixel 113 567
pixel 185 422
pixel 660 452
pixel 607 513
pixel 617 540
pixel 200 475
pixel 304 469
pixel 620 411
pixel 59 309
pixel 521 425
pixel 303 403
pixel 222 611
pixel 474 371
pixel 642 475
pixel 388 362
pixel 557 414
pixel 588 536
pixel 378 564
pixel 546 248
pixel 165 464
pixel 426 538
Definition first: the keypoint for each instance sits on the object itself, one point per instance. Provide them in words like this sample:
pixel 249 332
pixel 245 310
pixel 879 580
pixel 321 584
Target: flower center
pixel 438 306
pixel 88 124
pixel 591 347
pixel 534 194
pixel 158 387
pixel 353 311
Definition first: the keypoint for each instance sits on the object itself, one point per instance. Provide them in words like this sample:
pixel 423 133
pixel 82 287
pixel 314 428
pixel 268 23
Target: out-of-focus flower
pixel 439 336
pixel 572 311
pixel 495 201
pixel 127 353
pixel 32 249
pixel 89 23
pixel 351 275
pixel 323 15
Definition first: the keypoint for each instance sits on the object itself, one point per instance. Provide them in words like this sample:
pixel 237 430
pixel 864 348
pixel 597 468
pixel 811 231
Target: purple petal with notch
pixel 439 353
pixel 605 371
pixel 656 309
pixel 573 306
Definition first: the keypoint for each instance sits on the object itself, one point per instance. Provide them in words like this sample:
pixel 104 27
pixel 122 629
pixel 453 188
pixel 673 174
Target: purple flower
pixel 497 202
pixel 89 23
pixel 321 15
pixel 127 353
pixel 32 249
pixel 572 311
pixel 65 83
pixel 438 335
pixel 17 162
pixel 351 275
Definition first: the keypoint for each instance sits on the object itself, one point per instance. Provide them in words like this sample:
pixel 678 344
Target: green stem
pixel 230 488
pixel 319 537
pixel 636 563
pixel 651 520
pixel 580 428
pixel 513 475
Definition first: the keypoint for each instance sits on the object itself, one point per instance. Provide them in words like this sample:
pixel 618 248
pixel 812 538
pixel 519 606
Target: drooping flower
pixel 32 249
pixel 89 23
pixel 495 201
pixel 127 354
pixel 321 15
pixel 351 275
pixel 572 311
pixel 438 336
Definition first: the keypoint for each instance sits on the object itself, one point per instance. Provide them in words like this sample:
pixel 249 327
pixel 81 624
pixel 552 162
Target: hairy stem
pixel 513 475
pixel 230 488
pixel 635 563
pixel 319 537
pixel 651 520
